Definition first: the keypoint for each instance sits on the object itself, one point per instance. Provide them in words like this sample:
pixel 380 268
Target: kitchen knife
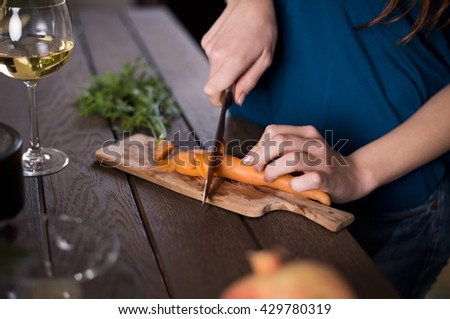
pixel 213 159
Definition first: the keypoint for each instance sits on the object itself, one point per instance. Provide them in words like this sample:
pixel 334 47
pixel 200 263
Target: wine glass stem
pixel 34 137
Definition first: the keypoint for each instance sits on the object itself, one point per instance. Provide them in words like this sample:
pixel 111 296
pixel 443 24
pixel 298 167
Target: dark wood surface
pixel 171 245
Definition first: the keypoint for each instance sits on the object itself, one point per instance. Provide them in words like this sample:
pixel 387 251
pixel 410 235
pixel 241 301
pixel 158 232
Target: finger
pixel 216 85
pixel 272 131
pixel 267 148
pixel 209 35
pixel 296 161
pixel 308 181
pixel 225 70
pixel 214 30
pixel 271 147
pixel 230 63
pixel 250 78
pixel 286 164
pixel 212 36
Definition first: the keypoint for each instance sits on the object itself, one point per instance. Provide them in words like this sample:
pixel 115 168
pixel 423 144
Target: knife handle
pixel 226 95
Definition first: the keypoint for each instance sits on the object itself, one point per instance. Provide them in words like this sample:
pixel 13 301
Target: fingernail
pixel 242 99
pixel 267 180
pixel 248 160
pixel 207 89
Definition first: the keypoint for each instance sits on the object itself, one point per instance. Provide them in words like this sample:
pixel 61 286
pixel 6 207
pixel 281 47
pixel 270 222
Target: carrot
pixel 163 148
pixel 195 163
pixel 187 162
pixel 166 164
pixel 232 168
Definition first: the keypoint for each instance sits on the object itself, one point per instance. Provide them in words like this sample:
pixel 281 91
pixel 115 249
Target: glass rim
pixel 36 4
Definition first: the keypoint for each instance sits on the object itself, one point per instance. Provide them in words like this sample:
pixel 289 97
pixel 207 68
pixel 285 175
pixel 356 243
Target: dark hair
pixel 433 14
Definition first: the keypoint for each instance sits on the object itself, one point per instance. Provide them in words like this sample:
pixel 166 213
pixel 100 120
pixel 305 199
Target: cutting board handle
pixel 328 217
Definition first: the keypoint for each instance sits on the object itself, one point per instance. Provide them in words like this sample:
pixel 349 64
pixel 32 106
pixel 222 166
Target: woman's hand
pixel 240 47
pixel 285 149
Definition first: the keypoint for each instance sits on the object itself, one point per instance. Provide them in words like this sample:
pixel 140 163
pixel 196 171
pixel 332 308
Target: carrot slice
pixel 166 164
pixel 187 162
pixel 163 148
pixel 186 170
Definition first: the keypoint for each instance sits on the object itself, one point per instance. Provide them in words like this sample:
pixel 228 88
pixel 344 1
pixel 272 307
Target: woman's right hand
pixel 240 47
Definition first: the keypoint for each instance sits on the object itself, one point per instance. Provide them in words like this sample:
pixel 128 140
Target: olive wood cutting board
pixel 134 156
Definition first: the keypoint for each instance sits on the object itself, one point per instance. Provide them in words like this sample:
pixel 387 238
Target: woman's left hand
pixel 285 149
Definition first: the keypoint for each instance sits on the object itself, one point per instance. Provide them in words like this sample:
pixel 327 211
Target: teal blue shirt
pixel 352 85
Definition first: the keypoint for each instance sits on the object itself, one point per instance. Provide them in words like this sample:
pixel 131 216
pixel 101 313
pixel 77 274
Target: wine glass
pixel 36 39
pixel 56 256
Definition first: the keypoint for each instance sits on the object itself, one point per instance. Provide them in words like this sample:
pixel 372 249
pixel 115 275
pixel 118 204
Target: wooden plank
pixel 203 248
pixel 91 192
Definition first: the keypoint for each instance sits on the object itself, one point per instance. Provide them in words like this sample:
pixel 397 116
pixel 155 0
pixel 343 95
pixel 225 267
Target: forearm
pixel 422 138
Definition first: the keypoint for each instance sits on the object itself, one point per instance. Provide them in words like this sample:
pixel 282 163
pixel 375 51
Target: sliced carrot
pixel 233 168
pixel 196 163
pixel 166 164
pixel 204 159
pixel 163 148
pixel 187 162
pixel 186 170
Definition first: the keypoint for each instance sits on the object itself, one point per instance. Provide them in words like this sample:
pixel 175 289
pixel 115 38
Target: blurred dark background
pixel 196 15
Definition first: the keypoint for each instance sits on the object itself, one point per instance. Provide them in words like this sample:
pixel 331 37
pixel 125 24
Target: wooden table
pixel 171 245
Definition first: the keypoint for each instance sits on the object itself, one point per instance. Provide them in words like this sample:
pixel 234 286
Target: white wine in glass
pixel 36 39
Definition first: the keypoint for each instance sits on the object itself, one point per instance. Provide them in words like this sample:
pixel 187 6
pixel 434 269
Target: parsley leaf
pixel 131 99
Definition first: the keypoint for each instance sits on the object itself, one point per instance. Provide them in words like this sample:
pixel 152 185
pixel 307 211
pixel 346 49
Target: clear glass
pixel 36 39
pixel 53 256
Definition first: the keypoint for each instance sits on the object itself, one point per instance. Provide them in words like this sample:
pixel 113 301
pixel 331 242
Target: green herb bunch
pixel 133 98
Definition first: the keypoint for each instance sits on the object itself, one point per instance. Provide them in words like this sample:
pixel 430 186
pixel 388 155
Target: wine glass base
pixel 44 161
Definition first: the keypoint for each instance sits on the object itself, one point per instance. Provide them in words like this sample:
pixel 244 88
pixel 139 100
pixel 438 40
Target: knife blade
pixel 227 99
